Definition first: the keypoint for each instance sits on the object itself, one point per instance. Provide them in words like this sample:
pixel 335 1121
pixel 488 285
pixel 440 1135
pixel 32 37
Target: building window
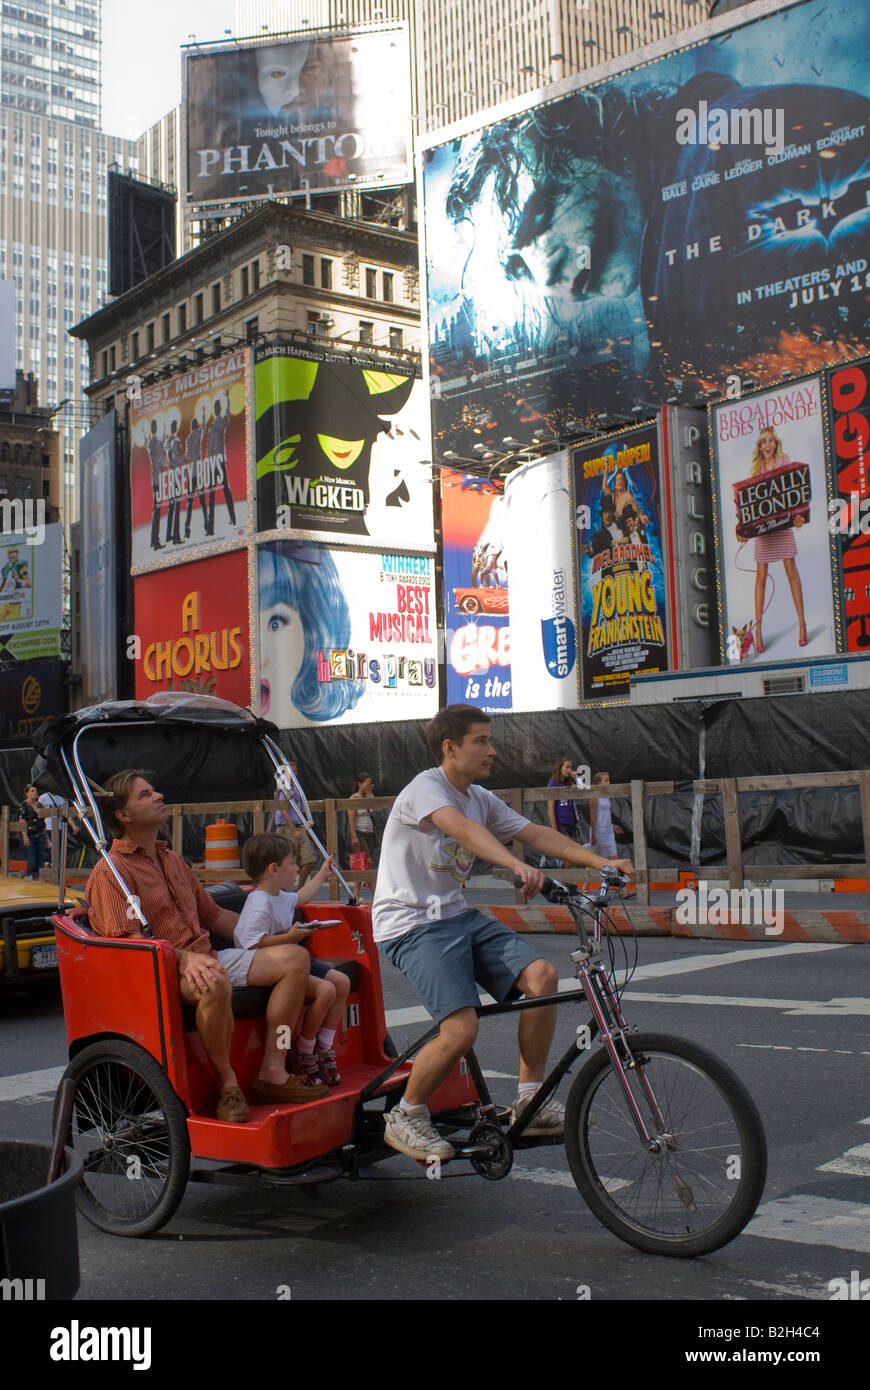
pixel 307 270
pixel 182 318
pixel 396 339
pixel 388 287
pixel 366 331
pixel 325 273
pixel 255 272
pixel 105 371
pixel 167 330
pixel 150 331
pixel 216 298
pixel 134 347
pixel 371 284
pixel 317 324
pixel 112 358
pixel 252 329
pixel 246 286
pixel 199 308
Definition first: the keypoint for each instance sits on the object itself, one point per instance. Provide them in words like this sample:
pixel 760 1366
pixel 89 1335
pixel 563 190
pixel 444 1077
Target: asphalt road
pixel 793 1020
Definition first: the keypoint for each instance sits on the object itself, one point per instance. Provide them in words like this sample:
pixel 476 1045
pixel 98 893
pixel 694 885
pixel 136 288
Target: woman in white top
pixel 362 827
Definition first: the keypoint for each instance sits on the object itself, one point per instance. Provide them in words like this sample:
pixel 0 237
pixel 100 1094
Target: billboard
pixel 342 447
pixel 847 390
pixel 770 500
pixel 541 565
pixel 141 230
pixel 187 461
pixel 7 335
pixel 100 563
pixel 31 592
pixel 28 696
pixel 700 217
pixel 192 629
pixel 345 637
pixel 477 618
pixel 321 111
pixel 622 591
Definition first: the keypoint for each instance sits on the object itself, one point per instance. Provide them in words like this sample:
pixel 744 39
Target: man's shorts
pixel 444 959
pixel 304 848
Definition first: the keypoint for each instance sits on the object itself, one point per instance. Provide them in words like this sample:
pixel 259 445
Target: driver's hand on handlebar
pixel 624 866
pixel 532 879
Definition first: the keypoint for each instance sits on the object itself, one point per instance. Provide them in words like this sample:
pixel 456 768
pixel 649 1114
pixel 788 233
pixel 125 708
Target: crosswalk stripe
pixel 805 1220
pixel 856 1161
pixel 30 1083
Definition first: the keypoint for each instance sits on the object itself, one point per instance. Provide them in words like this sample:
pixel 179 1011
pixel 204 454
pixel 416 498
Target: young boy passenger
pixel 267 920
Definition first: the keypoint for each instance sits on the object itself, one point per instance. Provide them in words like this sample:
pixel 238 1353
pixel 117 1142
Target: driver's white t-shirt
pixel 422 871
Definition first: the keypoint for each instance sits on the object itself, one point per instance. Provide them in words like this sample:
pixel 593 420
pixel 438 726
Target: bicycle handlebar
pixel 554 891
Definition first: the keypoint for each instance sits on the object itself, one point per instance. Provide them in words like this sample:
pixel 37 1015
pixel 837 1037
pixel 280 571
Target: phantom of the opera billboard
pixel 477 618
pixel 700 217
pixel 342 447
pixel 345 637
pixel 313 112
pixel 187 462
pixel 622 627
pixel 848 398
pixel 770 503
pixel 192 629
pixel 99 588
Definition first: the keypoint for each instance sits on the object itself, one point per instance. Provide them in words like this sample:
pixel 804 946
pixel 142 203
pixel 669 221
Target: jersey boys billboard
pixel 342 447
pixel 697 218
pixel 187 461
pixel 323 111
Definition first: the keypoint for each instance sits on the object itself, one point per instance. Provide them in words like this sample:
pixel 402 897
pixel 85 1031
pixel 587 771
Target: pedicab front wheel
pixel 130 1129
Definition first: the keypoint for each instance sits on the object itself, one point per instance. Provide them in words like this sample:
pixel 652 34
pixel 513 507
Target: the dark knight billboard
pixel 702 217
pixel 323 111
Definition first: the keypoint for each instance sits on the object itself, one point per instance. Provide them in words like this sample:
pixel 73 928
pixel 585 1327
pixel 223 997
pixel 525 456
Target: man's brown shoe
pixel 232 1106
pixel 294 1089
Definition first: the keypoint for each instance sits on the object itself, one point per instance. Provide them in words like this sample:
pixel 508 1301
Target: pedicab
pixel 664 1143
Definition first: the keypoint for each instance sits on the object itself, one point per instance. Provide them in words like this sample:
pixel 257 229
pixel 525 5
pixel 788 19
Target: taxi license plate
pixel 44 958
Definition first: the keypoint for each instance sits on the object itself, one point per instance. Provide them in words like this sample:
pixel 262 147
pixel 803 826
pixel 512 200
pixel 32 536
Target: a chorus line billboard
pixel 622 627
pixel 342 446
pixel 325 111
pixel 477 616
pixel 345 637
pixel 700 217
pixel 187 461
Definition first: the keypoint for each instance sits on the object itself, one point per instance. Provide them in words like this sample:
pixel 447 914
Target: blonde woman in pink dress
pixel 776 545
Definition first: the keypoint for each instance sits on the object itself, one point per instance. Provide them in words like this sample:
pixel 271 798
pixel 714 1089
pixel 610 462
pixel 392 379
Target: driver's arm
pixel 557 846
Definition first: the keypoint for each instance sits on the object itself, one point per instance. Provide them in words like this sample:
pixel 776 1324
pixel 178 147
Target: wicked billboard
pixel 322 111
pixel 648 237
pixel 341 446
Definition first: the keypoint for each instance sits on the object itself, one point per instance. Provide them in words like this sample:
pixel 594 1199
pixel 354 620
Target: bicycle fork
pixel 613 1028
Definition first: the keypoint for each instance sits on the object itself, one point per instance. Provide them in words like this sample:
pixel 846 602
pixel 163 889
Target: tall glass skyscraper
pixel 50 58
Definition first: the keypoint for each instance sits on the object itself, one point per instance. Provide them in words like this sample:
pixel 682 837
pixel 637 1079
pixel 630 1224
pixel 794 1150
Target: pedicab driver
pixel 438 825
pixel 179 911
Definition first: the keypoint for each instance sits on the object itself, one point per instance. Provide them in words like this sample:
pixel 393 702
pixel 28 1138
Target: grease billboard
pixel 477 608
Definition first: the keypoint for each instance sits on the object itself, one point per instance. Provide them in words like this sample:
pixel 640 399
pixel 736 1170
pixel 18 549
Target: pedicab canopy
pixel 193 747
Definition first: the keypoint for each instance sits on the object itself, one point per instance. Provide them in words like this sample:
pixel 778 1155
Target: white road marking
pixel 814 1221
pixel 30 1083
pixel 500 1076
pixel 798 1008
pixel 556 1177
pixel 855 1161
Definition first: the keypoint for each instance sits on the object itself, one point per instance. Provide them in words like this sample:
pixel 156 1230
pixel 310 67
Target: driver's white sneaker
pixel 412 1132
pixel 549 1121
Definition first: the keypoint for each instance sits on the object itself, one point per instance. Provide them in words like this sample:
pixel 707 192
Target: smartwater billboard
pixel 701 217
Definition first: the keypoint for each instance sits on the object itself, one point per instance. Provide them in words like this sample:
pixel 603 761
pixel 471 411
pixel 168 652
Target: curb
pixel 835 927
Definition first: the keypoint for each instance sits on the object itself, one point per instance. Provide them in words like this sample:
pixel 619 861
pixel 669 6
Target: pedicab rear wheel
pixel 130 1129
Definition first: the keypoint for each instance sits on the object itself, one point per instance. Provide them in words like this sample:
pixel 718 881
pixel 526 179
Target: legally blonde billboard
pixel 345 637
pixel 187 461
pixel 770 498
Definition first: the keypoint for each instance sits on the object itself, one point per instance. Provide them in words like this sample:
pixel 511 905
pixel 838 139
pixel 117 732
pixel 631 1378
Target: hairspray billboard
pixel 345 637
pixel 848 398
pixel 342 446
pixel 541 565
pixel 770 499
pixel 477 618
pixel 187 462
pixel 622 590
pixel 699 217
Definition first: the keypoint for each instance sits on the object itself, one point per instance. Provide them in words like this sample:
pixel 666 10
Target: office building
pixel 50 59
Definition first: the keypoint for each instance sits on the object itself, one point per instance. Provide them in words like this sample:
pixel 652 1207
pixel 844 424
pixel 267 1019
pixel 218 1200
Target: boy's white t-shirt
pixel 422 871
pixel 264 914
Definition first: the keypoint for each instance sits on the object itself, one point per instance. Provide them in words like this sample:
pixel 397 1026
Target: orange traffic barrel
pixel 221 846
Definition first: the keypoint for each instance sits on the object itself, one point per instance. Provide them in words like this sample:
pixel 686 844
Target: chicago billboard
pixel 192 629
pixel 848 397
pixel 477 617
pixel 622 591
pixel 187 461
pixel 342 446
pixel 770 499
pixel 31 591
pixel 697 218
pixel 324 111
pixel 345 637
pixel 100 563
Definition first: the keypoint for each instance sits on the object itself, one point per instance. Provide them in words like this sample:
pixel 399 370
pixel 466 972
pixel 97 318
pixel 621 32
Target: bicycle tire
pixel 616 1174
pixel 123 1096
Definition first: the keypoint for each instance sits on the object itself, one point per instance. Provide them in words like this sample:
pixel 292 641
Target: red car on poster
pixel 481 600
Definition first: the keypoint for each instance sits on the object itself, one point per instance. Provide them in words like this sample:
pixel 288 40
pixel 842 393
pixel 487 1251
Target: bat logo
pixel 823 215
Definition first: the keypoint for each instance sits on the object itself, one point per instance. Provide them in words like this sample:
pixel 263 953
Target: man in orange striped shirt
pixel 179 910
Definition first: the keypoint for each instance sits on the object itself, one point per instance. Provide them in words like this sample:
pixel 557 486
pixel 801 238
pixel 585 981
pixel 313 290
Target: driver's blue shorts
pixel 443 959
